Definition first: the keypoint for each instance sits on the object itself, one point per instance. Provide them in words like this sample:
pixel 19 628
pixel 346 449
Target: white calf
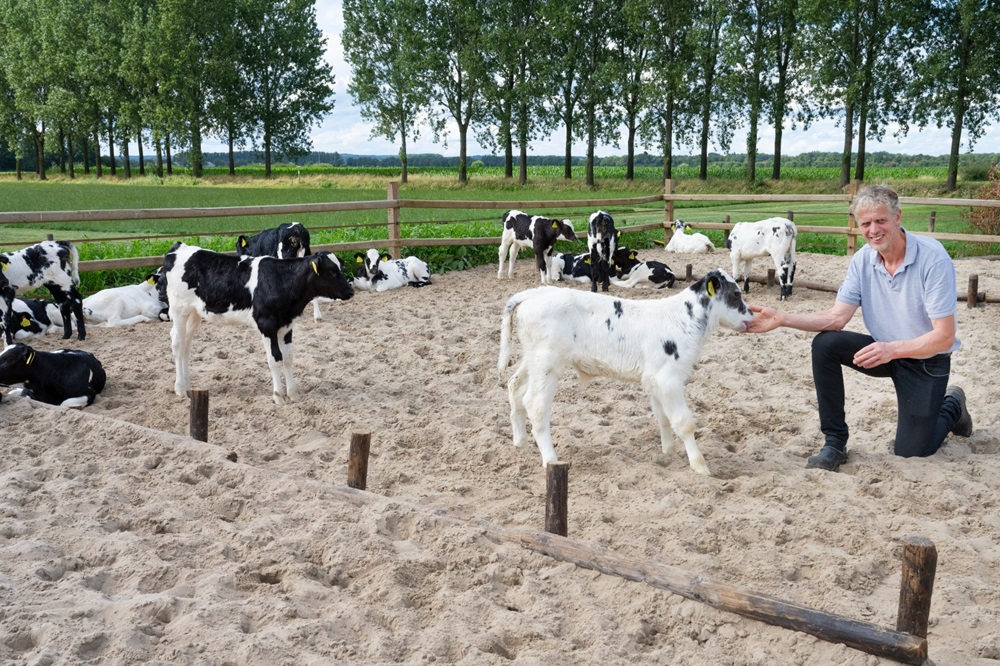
pixel 774 237
pixel 126 305
pixel 655 343
pixel 683 243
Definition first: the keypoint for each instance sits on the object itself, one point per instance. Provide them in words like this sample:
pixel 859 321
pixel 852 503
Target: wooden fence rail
pixel 393 204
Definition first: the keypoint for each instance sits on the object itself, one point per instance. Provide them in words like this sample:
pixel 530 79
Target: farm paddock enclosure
pixel 124 541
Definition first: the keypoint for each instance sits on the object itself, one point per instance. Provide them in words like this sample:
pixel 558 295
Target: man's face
pixel 879 226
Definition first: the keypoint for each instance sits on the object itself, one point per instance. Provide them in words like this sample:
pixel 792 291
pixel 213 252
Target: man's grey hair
pixel 873 196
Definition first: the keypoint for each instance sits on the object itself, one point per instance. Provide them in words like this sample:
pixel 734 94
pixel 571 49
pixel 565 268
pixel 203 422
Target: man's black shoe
pixel 963 426
pixel 828 458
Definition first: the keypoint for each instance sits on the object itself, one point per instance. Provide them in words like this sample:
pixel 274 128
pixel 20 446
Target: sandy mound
pixel 124 541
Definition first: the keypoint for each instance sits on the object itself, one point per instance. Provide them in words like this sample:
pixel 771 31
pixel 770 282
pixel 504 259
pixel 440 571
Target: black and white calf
pixel 653 342
pixel 652 274
pixel 382 272
pixel 49 264
pixel 577 266
pixel 33 316
pixel 522 231
pixel 68 377
pixel 286 241
pixel 126 305
pixel 602 240
pixel 264 292
pixel 774 237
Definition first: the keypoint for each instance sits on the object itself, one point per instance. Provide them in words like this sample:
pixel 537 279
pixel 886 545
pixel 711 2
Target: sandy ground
pixel 123 541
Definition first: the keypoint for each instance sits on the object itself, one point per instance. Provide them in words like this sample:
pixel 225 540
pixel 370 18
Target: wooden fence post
pixel 357 461
pixel 931 221
pixel 557 498
pixel 668 210
pixel 395 237
pixel 198 415
pixel 919 566
pixel 973 293
pixel 725 233
pixel 852 224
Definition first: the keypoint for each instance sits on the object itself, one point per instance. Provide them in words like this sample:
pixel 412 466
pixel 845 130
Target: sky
pixel 345 131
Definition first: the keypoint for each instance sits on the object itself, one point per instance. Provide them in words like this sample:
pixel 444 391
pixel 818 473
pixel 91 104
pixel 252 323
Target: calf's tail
pixel 74 260
pixel 505 328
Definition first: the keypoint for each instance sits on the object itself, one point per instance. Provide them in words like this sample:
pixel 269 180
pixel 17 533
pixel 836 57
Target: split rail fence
pixel 395 240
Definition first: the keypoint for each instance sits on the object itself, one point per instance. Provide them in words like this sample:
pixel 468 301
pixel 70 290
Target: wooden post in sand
pixel 357 462
pixel 199 414
pixel 557 498
pixel 770 277
pixel 973 291
pixel 919 566
pixel 688 272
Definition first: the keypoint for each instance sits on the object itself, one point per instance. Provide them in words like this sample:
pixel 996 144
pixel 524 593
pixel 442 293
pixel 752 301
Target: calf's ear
pixel 359 258
pixel 315 265
pixel 385 257
pixel 712 286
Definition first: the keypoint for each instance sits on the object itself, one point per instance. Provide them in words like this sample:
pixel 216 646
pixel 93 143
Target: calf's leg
pixel 516 389
pixel 670 394
pixel 538 402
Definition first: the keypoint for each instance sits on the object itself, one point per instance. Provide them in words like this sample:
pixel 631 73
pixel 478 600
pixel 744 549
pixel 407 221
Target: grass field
pixel 104 240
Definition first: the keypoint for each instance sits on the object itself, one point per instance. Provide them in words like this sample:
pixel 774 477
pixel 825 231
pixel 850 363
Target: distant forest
pixel 812 159
pixel 336 159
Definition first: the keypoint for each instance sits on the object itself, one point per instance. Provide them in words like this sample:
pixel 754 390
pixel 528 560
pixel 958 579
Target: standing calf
pixel 264 292
pixel 774 236
pixel 50 264
pixel 602 240
pixel 655 343
pixel 286 241
pixel 539 233
pixel 68 377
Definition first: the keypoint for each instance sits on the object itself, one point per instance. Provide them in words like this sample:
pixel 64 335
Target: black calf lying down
pixel 68 377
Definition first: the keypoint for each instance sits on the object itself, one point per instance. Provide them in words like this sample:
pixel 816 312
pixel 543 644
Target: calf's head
pixel 370 260
pixel 15 363
pixel 329 277
pixel 723 300
pixel 565 228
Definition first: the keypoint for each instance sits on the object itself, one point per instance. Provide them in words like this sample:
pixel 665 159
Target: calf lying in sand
pixel 655 343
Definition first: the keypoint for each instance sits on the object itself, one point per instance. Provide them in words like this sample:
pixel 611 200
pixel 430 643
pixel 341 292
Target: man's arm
pixel 936 341
pixel 834 319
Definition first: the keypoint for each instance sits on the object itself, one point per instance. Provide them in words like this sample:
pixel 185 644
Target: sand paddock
pixel 124 541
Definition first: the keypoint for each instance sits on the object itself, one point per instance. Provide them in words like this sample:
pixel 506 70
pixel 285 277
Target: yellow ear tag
pixel 25 322
pixel 631 255
pixel 711 289
pixel 31 357
pixel 555 225
pixel 150 280
pixel 315 268
pixel 243 242
pixel 687 227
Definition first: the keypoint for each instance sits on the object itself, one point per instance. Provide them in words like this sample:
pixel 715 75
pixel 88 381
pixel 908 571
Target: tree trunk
pixel 232 157
pixel 591 141
pixel 159 158
pixel 267 154
pixel 111 147
pixel 126 160
pixel 62 151
pixel 956 142
pixel 630 164
pixel 463 152
pixel 17 167
pixel 668 138
pixel 522 168
pixel 568 159
pixel 170 159
pixel 402 158
pixel 40 153
pixel 86 155
pixel 845 158
pixel 705 121
pixel 97 154
pixel 142 160
pixel 752 144
pixel 196 159
pixel 859 169
pixel 69 156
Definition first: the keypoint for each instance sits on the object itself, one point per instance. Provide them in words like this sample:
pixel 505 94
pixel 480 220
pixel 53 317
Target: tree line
pixel 672 72
pixel 161 73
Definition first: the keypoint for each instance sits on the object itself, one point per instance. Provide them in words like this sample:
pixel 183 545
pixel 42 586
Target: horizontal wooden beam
pixel 530 205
